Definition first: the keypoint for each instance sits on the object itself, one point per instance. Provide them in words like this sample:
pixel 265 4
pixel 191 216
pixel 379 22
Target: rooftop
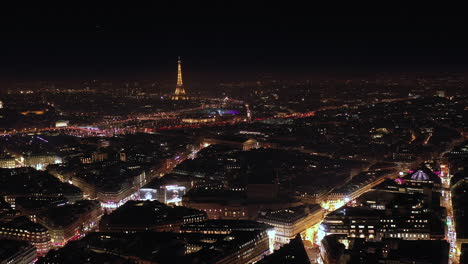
pixel 62 216
pixel 109 176
pixel 220 224
pixel 29 181
pixel 427 251
pixel 291 253
pixel 355 212
pixel 23 223
pixel 37 203
pixel 423 174
pixel 147 214
pixel 291 214
pixel 162 248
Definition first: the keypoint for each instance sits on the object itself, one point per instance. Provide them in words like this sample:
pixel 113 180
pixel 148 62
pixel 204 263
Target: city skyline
pixel 233 134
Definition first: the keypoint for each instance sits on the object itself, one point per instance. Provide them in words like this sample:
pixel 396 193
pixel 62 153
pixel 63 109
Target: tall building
pixel 179 93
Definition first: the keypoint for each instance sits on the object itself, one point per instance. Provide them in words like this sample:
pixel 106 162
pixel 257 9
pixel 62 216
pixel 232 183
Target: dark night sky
pixel 106 40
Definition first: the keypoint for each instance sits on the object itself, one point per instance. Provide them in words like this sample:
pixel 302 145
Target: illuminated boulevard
pixel 451 236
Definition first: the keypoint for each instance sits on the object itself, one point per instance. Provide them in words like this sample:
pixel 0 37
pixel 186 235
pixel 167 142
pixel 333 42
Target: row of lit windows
pixel 234 213
pixel 409 235
pixel 247 252
pixel 192 218
pixel 416 221
pixel 360 231
pixel 19 230
pixel 362 221
pixel 363 236
pixel 361 226
pixel 25 235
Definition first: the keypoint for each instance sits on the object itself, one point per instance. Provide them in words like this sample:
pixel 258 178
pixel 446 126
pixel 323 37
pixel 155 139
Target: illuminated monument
pixel 179 93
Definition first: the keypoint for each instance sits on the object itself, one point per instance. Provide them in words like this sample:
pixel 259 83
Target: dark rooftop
pixel 292 253
pixel 62 216
pixel 30 181
pixel 427 251
pixel 291 214
pixel 36 203
pixel 221 224
pixel 159 247
pixel 147 214
pixel 356 212
pixel 23 223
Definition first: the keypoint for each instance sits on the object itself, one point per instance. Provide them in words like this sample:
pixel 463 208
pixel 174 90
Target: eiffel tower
pixel 179 93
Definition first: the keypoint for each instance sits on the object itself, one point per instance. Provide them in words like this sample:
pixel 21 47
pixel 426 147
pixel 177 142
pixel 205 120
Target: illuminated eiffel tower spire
pixel 179 93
